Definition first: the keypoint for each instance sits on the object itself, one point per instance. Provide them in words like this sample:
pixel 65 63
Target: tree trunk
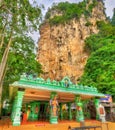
pixel 2 32
pixel 3 67
pixel 0 100
pixel 0 1
pixel 1 90
pixel 1 84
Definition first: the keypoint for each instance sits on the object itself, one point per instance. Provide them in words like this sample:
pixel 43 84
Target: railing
pixel 85 128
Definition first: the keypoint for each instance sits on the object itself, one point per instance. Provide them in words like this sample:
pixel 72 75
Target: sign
pixel 107 98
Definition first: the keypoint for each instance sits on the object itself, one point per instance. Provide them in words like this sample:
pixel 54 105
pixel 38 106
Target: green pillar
pixel 69 110
pixel 85 109
pixel 16 120
pixel 96 102
pixel 35 106
pixel 53 108
pixel 79 110
pixel 61 111
pixel 13 108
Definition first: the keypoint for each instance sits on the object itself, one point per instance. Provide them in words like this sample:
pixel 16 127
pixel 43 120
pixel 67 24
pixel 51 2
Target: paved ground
pixel 62 125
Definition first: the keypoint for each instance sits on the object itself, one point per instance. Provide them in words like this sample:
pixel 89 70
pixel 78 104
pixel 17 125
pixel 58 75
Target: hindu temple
pixel 52 101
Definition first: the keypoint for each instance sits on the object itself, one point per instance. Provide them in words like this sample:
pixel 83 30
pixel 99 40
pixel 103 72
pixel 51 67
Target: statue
pixel 36 109
pixel 54 106
pixel 102 112
pixel 66 83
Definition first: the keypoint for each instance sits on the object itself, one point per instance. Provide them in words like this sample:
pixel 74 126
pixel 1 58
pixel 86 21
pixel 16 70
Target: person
pixel 69 127
pixel 24 119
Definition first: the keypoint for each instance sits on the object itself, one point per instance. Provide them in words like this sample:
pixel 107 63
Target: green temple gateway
pixel 52 101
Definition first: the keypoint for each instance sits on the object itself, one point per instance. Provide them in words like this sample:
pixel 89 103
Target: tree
pixel 113 18
pixel 21 59
pixel 16 18
pixel 100 68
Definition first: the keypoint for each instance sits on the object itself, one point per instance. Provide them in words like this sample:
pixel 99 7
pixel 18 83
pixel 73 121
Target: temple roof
pixel 65 87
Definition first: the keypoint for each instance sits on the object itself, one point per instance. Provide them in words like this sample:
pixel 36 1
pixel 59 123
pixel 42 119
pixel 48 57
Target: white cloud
pixel 110 5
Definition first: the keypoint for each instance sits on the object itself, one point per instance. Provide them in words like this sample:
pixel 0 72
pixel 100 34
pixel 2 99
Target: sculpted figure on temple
pixel 54 105
pixel 102 113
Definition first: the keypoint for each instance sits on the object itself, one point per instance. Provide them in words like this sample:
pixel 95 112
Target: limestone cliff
pixel 61 47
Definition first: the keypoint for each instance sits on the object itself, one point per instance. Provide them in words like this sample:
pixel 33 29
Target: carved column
pixel 53 108
pixel 16 120
pixel 96 102
pixel 13 108
pixel 69 110
pixel 79 111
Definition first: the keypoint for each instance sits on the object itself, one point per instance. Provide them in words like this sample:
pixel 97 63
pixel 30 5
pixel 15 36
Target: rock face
pixel 61 47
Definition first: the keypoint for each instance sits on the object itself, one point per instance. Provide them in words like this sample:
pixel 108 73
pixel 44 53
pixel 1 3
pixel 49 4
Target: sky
pixel 109 5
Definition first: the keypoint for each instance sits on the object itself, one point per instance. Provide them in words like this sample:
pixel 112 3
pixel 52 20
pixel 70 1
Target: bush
pixel 69 11
pixel 88 23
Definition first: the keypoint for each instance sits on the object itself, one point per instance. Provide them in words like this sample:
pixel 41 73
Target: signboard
pixel 107 98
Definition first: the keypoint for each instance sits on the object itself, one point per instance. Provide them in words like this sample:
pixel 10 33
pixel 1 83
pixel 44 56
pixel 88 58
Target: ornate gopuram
pixel 36 99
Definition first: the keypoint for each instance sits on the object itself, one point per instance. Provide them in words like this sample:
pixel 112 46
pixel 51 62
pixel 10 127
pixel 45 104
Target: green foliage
pixel 92 5
pixel 21 59
pixel 56 20
pixel 47 16
pixel 17 18
pixel 113 18
pixel 105 28
pixel 88 23
pixel 100 68
pixel 68 11
pixel 98 42
pixel 19 15
pixel 105 36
